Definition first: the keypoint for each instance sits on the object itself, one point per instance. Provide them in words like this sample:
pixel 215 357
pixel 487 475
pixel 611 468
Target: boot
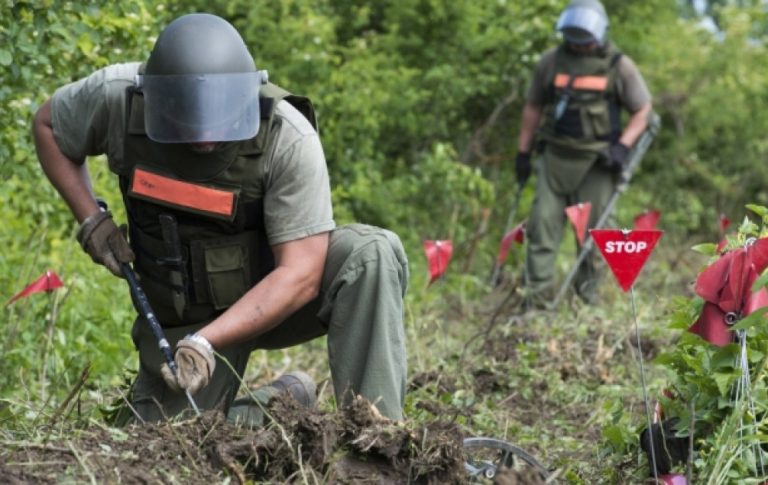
pixel 249 410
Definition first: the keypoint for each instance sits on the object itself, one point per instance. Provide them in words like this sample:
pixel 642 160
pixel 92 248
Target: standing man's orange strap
pixel 584 83
pixel 183 194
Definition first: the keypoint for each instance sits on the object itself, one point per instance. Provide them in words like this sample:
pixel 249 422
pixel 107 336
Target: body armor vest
pixel 582 110
pixel 196 220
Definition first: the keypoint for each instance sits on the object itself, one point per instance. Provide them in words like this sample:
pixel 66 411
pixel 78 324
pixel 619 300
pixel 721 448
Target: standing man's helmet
pixel 200 83
pixel 583 22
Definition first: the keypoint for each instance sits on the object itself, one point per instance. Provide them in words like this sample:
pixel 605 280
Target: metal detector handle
pixel 146 311
pixel 639 148
pixel 635 157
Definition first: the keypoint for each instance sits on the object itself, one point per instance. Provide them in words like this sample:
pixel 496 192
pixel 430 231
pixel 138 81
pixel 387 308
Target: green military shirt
pixel 89 119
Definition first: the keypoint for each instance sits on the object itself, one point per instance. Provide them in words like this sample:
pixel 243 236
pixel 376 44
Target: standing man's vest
pixel 585 87
pixel 196 220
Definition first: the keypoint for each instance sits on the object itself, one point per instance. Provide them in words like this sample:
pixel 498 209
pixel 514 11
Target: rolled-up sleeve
pixel 297 202
pixel 88 114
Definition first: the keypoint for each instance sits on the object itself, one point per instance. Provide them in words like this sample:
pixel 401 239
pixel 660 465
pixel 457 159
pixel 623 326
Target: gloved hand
pixel 618 154
pixel 196 362
pixel 523 167
pixel 106 243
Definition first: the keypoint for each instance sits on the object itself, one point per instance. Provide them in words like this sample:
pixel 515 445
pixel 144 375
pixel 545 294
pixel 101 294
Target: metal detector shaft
pixel 146 311
pixel 635 156
pixel 510 221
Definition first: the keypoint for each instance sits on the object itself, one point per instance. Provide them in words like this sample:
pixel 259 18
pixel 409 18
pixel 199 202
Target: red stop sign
pixel 625 251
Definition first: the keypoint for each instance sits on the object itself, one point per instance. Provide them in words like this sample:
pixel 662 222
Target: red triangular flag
pixel 48 282
pixel 711 326
pixel 438 255
pixel 726 286
pixel 724 222
pixel 647 220
pixel 625 251
pixel 579 217
pixel 517 234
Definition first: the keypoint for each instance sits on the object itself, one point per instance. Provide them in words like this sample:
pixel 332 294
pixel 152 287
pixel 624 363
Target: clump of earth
pixel 352 445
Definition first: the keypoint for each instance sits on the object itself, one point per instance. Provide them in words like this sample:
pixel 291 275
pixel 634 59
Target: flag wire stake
pixel 643 384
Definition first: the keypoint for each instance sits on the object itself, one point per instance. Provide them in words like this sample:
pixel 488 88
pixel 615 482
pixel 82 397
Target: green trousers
pixel 544 231
pixel 360 308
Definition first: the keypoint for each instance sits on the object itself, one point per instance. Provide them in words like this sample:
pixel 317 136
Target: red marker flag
pixel 48 282
pixel 724 222
pixel 438 255
pixel 726 287
pixel 647 220
pixel 579 217
pixel 517 234
pixel 625 251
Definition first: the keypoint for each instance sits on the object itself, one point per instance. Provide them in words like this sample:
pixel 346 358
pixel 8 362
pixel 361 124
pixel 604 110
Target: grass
pixel 563 385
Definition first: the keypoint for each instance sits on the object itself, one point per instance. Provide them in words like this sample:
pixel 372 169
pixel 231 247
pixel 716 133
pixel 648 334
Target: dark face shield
pixel 193 108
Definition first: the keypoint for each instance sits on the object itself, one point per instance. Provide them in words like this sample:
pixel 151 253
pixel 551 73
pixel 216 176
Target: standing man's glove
pixel 523 167
pixel 100 237
pixel 618 154
pixel 195 361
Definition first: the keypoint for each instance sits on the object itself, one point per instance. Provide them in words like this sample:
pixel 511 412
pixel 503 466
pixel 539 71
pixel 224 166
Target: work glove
pixel 195 361
pixel 523 167
pixel 618 154
pixel 106 243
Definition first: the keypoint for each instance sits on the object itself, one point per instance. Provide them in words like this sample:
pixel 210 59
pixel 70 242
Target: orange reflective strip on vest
pixel 586 83
pixel 184 194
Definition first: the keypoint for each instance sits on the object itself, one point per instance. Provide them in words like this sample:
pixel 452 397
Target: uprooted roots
pixel 352 445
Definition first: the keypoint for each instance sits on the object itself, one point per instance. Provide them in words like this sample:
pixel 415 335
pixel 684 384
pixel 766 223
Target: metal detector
pixel 487 457
pixel 635 157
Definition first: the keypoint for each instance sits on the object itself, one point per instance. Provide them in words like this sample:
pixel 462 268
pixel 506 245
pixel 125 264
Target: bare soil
pixel 354 445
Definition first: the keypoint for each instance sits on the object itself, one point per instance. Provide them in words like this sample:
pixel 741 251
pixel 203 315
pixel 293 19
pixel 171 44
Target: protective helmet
pixel 200 83
pixel 583 22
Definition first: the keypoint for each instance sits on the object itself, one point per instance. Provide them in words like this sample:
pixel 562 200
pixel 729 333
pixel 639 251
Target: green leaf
pixel 5 57
pixel 710 249
pixel 758 209
pixel 723 382
pixel 761 282
pixel 85 44
pixel 725 357
pixel 751 320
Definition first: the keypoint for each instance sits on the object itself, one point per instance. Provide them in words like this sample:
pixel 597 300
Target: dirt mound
pixel 352 445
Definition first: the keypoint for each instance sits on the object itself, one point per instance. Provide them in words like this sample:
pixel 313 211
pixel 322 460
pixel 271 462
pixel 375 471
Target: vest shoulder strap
pixel 303 104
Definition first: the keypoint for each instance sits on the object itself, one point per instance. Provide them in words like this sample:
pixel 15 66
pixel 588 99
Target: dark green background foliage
pixel 418 103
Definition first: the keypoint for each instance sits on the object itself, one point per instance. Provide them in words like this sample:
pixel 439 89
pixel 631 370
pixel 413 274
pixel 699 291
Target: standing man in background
pixel 574 105
pixel 230 224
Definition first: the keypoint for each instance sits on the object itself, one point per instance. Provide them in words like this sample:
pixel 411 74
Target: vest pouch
pixel 226 270
pixel 570 124
pixel 598 121
pixel 224 267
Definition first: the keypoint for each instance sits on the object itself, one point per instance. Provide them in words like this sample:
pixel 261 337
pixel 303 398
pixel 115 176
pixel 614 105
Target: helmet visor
pixel 582 25
pixel 191 108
